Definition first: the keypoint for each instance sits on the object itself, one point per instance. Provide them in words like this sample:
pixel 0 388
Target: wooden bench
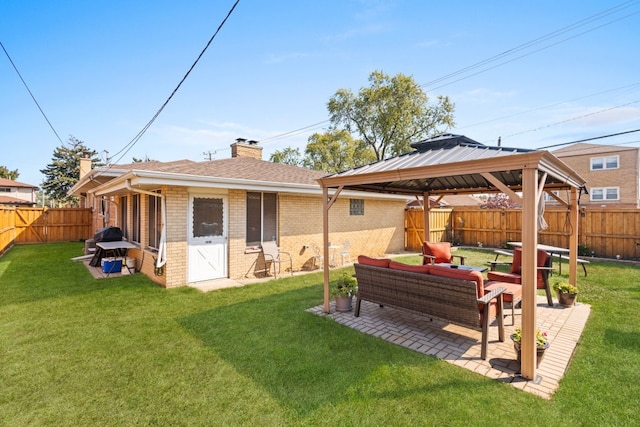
pixel 582 262
pixel 453 300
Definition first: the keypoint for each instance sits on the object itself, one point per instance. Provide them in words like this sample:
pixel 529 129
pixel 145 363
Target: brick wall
pixel 177 200
pixel 626 177
pixel 379 231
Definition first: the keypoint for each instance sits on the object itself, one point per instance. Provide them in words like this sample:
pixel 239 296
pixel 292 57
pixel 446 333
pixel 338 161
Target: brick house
pixel 218 212
pixel 14 193
pixel 612 173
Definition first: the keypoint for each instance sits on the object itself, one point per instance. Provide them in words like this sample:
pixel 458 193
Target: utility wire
pixel 135 139
pixel 31 93
pixel 573 118
pixel 611 135
pixel 534 42
pixel 546 106
pixel 531 52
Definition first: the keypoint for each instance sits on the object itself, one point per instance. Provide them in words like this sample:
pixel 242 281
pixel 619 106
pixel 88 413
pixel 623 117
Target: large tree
pixel 64 170
pixel 390 114
pixel 7 174
pixel 288 156
pixel 336 151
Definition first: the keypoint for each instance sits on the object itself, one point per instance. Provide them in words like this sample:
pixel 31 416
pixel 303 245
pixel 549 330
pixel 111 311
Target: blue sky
pixel 100 70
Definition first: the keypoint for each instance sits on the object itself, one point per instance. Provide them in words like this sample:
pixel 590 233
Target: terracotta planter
pixel 343 304
pixel 566 299
pixel 539 352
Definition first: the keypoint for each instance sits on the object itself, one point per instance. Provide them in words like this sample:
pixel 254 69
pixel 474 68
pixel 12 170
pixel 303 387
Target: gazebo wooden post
pixel 325 245
pixel 573 238
pixel 530 199
pixel 427 215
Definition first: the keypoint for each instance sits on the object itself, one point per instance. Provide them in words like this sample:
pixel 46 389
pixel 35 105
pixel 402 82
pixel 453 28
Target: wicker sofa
pixel 453 295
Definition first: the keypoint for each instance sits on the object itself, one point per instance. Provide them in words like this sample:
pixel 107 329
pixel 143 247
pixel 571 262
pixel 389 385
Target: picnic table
pixel 561 253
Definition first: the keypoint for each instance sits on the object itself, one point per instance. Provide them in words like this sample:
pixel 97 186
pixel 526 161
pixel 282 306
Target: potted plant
pixel 566 293
pixel 542 344
pixel 343 290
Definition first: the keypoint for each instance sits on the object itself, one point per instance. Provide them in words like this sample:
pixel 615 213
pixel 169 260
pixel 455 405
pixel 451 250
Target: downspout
pixel 162 250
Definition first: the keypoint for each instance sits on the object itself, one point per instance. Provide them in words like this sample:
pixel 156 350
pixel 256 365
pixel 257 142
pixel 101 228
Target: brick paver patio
pixel 461 346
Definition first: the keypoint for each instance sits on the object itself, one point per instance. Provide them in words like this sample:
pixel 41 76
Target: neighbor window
pixel 262 217
pixel 548 198
pixel 124 216
pixel 605 193
pixel 356 207
pixel 601 163
pixel 135 209
pixel 155 220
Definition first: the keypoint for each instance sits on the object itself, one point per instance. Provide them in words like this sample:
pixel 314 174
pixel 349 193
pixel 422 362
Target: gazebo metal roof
pixel 454 164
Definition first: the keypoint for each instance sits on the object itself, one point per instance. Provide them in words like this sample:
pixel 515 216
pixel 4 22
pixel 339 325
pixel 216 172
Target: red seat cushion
pixel 407 267
pixel 456 273
pixel 504 277
pixel 441 251
pixel 515 291
pixel 375 262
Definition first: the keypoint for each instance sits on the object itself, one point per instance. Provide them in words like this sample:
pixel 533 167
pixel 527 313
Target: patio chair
pixel 515 273
pixel 275 257
pixel 439 252
pixel 344 253
pixel 317 256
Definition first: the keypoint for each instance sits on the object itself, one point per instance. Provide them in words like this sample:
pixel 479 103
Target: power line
pixel 136 138
pixel 523 46
pixel 547 106
pixel 611 135
pixel 31 93
pixel 574 118
pixel 534 42
pixel 531 53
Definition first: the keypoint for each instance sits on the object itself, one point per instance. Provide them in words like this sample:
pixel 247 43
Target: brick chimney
pixel 85 166
pixel 244 148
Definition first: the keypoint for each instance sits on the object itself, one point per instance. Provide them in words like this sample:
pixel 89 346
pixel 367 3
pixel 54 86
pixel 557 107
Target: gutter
pixel 162 250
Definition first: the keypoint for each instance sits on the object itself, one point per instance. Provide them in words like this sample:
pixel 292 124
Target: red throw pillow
pixel 456 273
pixel 375 262
pixel 440 250
pixel 408 267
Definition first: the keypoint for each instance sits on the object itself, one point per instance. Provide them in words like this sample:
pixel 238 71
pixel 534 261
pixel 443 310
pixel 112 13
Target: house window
pixel 356 207
pixel 605 193
pixel 155 220
pixel 5 190
pixel 548 198
pixel 124 216
pixel 602 163
pixel 208 217
pixel 261 218
pixel 135 209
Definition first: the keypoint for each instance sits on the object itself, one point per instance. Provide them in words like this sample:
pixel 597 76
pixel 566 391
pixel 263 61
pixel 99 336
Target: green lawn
pixel 78 351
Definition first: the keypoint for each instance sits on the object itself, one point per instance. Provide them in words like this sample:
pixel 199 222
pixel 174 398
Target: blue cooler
pixel 111 265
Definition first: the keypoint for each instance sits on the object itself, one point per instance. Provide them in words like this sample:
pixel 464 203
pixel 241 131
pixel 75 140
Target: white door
pixel 208 230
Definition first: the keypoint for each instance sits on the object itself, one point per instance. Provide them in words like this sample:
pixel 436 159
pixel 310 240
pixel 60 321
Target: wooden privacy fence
pixel 41 225
pixel 601 232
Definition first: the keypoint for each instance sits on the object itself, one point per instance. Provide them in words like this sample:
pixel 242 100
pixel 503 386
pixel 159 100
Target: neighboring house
pixel 612 173
pixel 449 201
pixel 14 193
pixel 217 214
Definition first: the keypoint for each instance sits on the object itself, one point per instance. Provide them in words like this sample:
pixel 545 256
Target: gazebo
pixel 455 164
